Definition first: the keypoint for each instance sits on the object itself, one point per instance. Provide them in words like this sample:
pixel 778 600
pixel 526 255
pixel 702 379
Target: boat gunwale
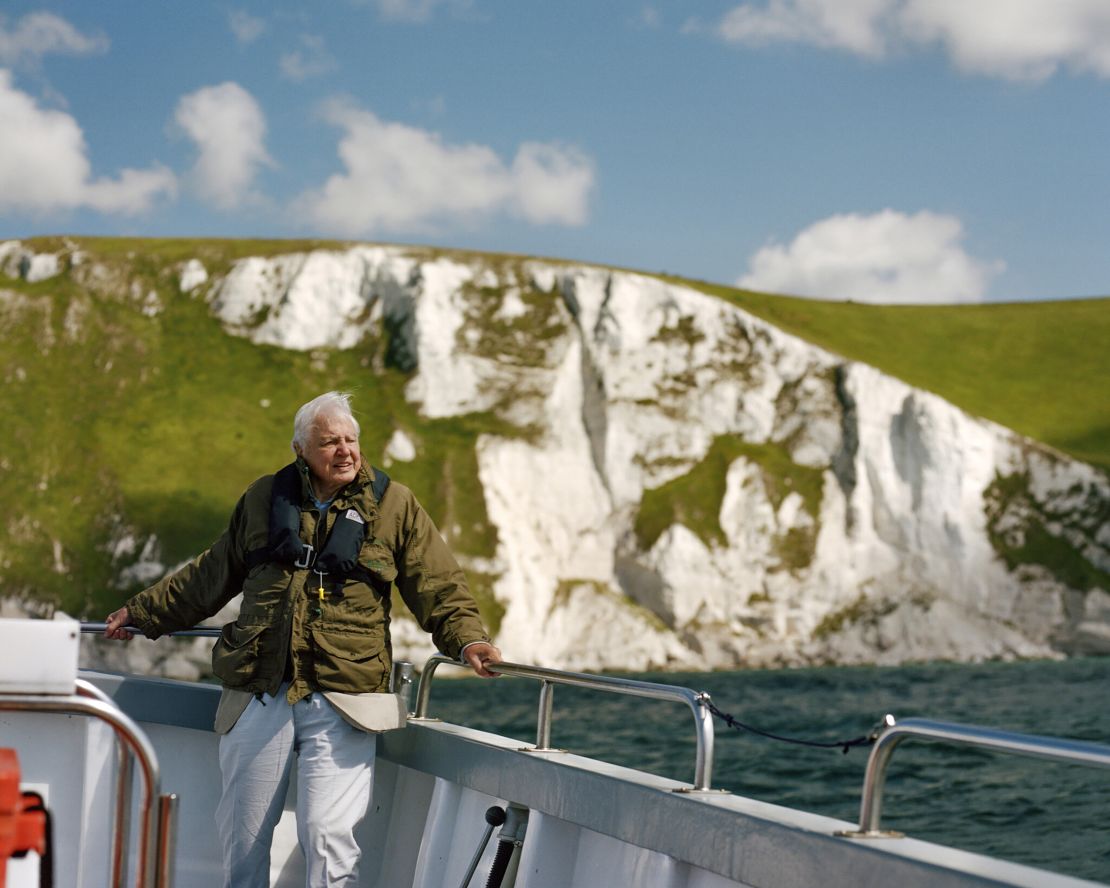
pixel 740 838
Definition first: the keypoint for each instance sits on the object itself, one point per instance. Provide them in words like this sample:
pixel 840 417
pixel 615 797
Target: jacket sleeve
pixel 433 585
pixel 195 591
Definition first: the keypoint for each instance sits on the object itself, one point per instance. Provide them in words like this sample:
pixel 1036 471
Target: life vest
pixel 338 558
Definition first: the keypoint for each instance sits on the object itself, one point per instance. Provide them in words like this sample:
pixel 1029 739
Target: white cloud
pixel 1014 39
pixel 312 59
pixel 648 17
pixel 854 25
pixel 246 27
pixel 887 257
pixel 229 130
pixel 44 165
pixel 41 33
pixel 401 178
pixel 407 10
pixel 551 184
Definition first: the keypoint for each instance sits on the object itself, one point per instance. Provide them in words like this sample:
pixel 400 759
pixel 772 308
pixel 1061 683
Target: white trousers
pixel 334 781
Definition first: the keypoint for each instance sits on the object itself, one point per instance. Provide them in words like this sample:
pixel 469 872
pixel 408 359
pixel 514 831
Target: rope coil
pixel 842 745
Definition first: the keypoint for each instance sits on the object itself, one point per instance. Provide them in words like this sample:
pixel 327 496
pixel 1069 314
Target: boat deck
pixel 589 823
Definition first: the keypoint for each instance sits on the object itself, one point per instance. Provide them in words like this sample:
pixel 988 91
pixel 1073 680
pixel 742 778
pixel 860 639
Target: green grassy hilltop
pixel 127 410
pixel 1039 368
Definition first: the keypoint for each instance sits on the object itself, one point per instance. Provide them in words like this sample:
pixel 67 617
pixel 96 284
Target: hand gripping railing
pixel 157 811
pixel 894 732
pixel 696 700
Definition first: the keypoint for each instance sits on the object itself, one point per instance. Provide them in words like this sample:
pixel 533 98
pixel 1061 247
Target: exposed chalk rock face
pixel 193 275
pixel 906 543
pixel 11 253
pixel 41 267
pixel 305 301
pixel 18 261
pixel 400 447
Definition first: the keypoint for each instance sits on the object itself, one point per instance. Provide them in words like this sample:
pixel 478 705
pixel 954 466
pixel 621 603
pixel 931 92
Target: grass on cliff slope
pixel 694 499
pixel 1040 368
pixel 163 419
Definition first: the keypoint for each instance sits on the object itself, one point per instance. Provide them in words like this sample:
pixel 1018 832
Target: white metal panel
pixel 390 836
pixel 38 656
pixel 558 854
pixel 455 825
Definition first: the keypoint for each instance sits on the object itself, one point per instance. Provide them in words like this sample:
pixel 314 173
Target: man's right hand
pixel 116 621
pixel 480 654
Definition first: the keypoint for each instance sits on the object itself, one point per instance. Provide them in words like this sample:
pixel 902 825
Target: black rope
pixel 842 745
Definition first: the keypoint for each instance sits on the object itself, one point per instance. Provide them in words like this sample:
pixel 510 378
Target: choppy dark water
pixel 1029 810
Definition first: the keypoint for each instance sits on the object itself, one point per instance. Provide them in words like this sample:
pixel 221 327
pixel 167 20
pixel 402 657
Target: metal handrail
pixel 400 679
pixel 697 701
pixel 157 827
pixel 894 732
pixel 198 632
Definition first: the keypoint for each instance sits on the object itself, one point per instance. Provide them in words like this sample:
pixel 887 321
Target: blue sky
pixel 880 150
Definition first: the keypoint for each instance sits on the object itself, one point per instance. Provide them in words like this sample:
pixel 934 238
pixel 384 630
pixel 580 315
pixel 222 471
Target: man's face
pixel 332 454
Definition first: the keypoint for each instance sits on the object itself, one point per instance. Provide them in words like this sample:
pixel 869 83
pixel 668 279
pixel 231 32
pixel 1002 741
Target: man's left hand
pixel 480 655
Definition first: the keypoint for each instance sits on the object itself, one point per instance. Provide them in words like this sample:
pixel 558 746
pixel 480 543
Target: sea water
pixel 1046 814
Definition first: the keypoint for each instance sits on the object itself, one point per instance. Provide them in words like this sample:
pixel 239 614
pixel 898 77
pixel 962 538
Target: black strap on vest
pixel 339 556
pixel 285 544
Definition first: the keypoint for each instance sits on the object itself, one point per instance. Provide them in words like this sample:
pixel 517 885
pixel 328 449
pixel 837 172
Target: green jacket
pixel 340 644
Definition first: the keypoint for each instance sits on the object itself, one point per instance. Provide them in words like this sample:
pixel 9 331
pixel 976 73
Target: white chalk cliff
pixel 861 520
pixel 624 382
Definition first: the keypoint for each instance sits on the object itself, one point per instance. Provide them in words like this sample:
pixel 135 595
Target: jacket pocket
pixel 351 662
pixel 236 653
pixel 376 558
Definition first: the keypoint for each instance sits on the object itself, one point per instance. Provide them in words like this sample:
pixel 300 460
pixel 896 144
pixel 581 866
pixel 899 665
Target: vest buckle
pixel 308 555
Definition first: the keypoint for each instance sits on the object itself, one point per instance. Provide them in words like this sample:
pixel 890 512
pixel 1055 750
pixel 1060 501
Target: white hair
pixel 328 404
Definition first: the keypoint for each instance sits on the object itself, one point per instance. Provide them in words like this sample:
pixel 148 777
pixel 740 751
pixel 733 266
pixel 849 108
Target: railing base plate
pixel 869 834
pixel 689 790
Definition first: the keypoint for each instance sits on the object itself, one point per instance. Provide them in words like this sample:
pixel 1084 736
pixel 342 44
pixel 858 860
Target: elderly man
pixel 314 549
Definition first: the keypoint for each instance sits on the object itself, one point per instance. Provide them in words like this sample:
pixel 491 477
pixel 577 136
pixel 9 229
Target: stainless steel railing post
pixel 894 732
pixel 703 722
pixel 874 777
pixel 125 771
pixel 543 717
pixel 400 682
pixel 424 686
pixel 167 840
